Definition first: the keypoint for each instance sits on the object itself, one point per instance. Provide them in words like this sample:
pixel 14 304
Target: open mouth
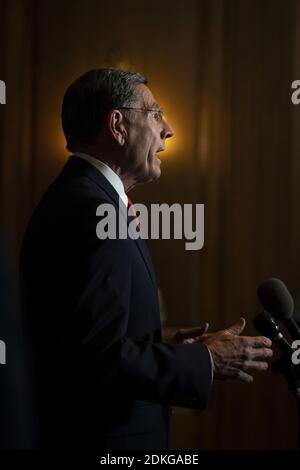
pixel 157 152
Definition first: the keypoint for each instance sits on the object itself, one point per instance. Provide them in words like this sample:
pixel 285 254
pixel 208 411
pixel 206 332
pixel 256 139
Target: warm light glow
pixel 173 115
pixel 61 145
pixel 203 143
pixel 172 144
pixel 57 141
pixel 124 64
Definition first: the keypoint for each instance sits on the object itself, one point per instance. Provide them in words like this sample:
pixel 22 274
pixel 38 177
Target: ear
pixel 116 126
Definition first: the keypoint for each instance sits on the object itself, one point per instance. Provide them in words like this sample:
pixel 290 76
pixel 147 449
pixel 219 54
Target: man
pixel 105 379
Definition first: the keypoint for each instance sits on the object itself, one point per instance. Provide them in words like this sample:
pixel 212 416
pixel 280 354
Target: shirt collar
pixel 108 173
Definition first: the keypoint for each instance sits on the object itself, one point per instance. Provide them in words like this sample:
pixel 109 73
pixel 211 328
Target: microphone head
pixel 265 324
pixel 276 299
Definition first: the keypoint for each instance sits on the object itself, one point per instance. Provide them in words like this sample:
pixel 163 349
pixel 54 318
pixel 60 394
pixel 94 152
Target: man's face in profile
pixel 146 135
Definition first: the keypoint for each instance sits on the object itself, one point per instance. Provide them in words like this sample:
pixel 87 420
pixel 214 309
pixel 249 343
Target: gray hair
pixel 88 100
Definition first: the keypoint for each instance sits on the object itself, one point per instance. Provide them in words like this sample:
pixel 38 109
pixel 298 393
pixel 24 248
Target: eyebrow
pixel 153 105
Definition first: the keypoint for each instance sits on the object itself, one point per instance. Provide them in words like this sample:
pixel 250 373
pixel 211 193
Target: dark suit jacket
pixel 103 376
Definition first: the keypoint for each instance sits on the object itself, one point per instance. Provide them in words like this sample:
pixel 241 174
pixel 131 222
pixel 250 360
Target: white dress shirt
pixel 108 173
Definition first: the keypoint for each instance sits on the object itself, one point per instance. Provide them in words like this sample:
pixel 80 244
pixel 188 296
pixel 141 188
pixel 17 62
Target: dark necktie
pixel 133 214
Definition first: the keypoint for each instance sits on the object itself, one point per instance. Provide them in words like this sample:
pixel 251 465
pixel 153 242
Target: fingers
pixel 253 348
pixel 194 332
pixel 261 342
pixel 256 342
pixel 244 377
pixel 235 356
pixel 206 326
pixel 237 373
pixel 190 335
pixel 237 328
pixel 260 354
pixel 252 366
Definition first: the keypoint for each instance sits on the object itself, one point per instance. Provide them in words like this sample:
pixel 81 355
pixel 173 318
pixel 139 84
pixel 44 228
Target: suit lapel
pixel 81 166
pixel 140 242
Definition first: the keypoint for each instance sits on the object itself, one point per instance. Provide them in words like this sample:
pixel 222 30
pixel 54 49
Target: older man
pixel 105 379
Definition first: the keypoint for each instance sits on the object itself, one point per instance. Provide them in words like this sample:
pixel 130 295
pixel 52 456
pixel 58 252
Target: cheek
pixel 144 142
pixel 141 139
pixel 149 138
pixel 145 147
pixel 152 143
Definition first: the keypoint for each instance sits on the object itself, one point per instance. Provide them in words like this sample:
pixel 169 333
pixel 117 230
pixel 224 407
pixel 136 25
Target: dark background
pixel 222 70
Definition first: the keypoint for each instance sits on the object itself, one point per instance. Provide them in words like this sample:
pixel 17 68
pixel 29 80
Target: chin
pixel 155 176
pixel 155 171
pixel 152 175
pixel 151 171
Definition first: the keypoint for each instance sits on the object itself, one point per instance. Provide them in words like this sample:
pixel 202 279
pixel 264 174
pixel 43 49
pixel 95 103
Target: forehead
pixel 146 95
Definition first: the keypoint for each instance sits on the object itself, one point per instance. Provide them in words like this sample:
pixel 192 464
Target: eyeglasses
pixel 157 114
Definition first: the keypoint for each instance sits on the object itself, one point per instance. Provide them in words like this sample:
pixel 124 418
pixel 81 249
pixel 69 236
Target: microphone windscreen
pixel 265 324
pixel 276 299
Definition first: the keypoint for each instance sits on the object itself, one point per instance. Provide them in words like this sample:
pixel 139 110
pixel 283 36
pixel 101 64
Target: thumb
pixel 238 327
pixel 205 328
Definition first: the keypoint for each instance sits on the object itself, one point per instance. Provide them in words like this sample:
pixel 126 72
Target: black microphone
pixel 276 299
pixel 267 326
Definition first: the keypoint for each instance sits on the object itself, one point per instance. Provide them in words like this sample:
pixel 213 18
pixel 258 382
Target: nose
pixel 167 131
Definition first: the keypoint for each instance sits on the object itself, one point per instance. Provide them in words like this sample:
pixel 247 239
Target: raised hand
pixel 235 356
